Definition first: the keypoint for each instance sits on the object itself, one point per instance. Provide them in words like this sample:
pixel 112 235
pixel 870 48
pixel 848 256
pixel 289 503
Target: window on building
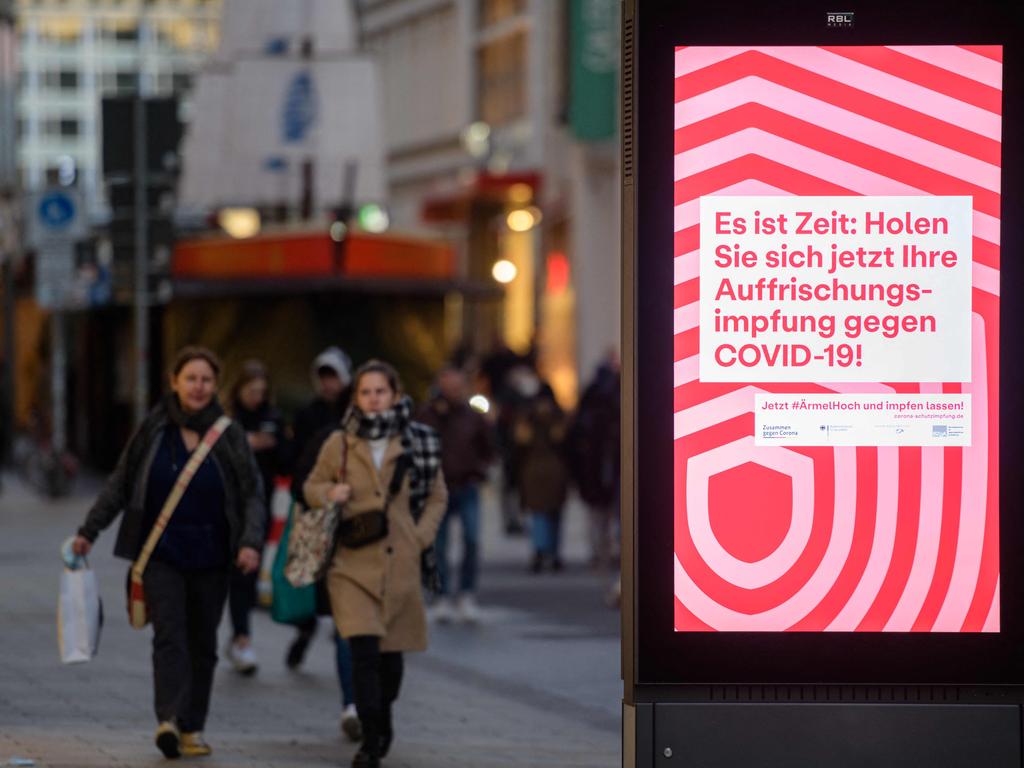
pixel 69 127
pixel 126 82
pixel 67 80
pixel 121 30
pixel 60 31
pixel 181 82
pixel 127 34
pixel 184 35
pixel 492 11
pixel 501 81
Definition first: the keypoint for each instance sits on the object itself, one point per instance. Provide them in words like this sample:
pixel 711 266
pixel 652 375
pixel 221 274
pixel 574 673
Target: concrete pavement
pixel 535 684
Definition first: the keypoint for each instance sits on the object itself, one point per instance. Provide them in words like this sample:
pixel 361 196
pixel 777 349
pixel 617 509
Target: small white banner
pixel 862 420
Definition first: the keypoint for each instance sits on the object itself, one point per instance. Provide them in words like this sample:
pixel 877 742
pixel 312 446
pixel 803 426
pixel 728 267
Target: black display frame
pixel 653 653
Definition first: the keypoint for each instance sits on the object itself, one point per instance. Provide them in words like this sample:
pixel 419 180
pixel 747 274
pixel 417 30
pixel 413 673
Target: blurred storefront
pixel 513 154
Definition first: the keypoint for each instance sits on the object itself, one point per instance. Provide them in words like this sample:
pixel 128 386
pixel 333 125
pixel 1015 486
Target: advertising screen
pixel 836 338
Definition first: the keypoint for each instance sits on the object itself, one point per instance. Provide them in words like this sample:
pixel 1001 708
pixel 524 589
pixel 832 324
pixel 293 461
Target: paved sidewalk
pixel 536 684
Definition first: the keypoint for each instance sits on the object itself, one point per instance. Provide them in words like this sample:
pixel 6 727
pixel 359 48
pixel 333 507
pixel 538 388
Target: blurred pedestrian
pixel 595 461
pixel 540 433
pixel 467 450
pixel 251 406
pixel 385 468
pixel 505 373
pixel 332 378
pixel 216 526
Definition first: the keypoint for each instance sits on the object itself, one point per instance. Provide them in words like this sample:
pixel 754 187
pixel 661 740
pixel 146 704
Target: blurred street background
pixel 303 185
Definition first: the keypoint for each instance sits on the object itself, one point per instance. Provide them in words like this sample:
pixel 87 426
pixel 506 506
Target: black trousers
pixel 241 601
pixel 185 607
pixel 377 678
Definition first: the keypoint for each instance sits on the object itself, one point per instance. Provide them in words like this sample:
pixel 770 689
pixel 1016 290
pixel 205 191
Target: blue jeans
pixel 343 661
pixel 546 531
pixel 465 503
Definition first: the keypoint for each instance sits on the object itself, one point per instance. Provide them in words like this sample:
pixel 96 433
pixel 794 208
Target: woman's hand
pixel 261 441
pixel 340 493
pixel 248 560
pixel 81 546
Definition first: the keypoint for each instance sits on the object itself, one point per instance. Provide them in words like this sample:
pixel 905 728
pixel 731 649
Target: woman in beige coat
pixel 375 591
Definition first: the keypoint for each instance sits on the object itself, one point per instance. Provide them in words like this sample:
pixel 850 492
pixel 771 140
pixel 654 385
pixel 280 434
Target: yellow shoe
pixel 193 745
pixel 168 739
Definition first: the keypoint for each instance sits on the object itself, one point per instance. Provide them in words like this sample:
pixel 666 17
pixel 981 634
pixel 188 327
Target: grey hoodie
pixel 335 359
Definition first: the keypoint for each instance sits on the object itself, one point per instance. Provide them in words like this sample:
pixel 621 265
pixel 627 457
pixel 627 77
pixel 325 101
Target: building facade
pixel 490 159
pixel 72 53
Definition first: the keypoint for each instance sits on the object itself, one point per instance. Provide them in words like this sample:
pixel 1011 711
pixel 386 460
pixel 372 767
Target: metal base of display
pixel 783 727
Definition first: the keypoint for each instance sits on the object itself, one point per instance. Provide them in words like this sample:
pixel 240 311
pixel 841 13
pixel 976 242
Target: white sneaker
pixel 350 725
pixel 242 659
pixel 469 611
pixel 442 611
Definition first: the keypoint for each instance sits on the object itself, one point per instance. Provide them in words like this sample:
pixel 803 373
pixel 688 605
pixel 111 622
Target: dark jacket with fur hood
pixel 125 489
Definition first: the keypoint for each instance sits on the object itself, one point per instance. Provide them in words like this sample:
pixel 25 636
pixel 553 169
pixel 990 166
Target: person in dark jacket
pixel 332 381
pixel 594 459
pixel 466 451
pixel 540 433
pixel 216 526
pixel 250 405
pixel 331 372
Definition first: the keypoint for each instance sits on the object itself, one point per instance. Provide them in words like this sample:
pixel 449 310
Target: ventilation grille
pixel 627 99
pixel 835 693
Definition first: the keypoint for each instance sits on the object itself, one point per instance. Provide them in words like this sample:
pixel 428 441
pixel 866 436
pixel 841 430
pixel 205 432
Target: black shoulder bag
pixel 369 527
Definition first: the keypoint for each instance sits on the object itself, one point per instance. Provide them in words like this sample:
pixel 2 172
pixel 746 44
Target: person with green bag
pixel 301 606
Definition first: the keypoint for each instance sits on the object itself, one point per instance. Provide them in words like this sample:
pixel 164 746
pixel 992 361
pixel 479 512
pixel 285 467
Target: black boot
pixel 387 733
pixel 297 650
pixel 369 753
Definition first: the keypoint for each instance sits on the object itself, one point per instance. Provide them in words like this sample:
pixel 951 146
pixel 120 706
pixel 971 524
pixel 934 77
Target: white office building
pixel 73 52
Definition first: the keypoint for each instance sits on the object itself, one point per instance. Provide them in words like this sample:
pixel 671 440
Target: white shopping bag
pixel 79 615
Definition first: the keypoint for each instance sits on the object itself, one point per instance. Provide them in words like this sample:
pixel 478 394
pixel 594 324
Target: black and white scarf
pixel 421 445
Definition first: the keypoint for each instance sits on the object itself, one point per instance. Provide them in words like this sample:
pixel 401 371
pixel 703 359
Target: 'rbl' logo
pixel 839 18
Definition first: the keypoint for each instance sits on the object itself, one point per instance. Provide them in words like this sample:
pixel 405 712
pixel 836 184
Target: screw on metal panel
pixel 668 751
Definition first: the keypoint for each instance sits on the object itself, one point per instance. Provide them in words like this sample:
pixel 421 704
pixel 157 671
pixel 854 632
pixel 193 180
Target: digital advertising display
pixel 836 307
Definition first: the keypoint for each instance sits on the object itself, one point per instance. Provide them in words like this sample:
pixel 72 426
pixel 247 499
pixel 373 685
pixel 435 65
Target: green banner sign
pixel 594 68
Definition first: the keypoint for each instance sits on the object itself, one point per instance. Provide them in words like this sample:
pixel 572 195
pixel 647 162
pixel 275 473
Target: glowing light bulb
pixel 504 271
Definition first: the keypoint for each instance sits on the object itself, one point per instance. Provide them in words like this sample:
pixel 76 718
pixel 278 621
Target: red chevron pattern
pixel 894 539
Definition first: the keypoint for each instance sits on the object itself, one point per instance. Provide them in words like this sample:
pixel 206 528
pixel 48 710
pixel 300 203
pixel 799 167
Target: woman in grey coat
pixel 217 525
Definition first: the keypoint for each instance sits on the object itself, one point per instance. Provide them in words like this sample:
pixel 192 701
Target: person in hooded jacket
pixel 251 406
pixel 331 373
pixel 216 526
pixel 375 589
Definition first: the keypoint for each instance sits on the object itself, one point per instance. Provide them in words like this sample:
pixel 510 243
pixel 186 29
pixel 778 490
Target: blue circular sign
pixel 56 210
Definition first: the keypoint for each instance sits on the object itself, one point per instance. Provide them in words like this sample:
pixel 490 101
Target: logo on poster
pixel 839 18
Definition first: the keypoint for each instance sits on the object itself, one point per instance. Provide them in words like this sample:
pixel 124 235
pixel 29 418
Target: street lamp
pixel 504 271
pixel 239 223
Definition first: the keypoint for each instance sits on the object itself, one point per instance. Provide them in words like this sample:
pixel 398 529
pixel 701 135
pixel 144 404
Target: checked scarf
pixel 421 444
pixel 421 447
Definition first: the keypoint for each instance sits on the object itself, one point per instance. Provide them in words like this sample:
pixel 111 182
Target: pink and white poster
pixel 836 338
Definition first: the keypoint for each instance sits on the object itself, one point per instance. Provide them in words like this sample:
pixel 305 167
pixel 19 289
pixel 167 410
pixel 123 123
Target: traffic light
pixel 162 136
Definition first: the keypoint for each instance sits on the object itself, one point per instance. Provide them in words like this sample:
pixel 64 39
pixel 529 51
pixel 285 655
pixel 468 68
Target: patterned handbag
pixel 312 539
